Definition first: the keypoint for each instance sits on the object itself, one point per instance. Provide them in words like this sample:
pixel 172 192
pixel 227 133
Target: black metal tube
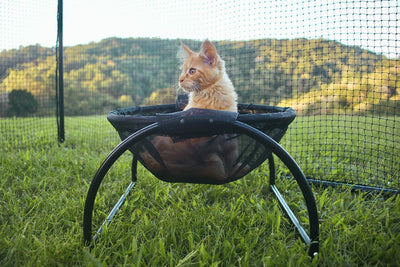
pixel 60 75
pixel 134 169
pixel 354 187
pixel 298 174
pixel 102 171
pixel 272 174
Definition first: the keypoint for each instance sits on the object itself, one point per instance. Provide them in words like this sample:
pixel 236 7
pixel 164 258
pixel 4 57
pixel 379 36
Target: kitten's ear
pixel 208 52
pixel 186 49
pixel 183 53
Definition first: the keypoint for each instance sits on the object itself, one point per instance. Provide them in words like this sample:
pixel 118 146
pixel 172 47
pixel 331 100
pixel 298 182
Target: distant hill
pixel 313 76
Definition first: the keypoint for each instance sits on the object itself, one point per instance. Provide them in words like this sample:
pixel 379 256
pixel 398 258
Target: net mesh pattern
pixel 27 72
pixel 336 63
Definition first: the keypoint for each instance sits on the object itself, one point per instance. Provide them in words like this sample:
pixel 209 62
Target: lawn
pixel 43 187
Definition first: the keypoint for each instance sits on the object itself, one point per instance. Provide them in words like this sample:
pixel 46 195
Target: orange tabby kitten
pixel 204 77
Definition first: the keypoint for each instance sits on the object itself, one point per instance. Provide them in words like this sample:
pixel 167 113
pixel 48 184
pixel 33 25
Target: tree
pixel 21 103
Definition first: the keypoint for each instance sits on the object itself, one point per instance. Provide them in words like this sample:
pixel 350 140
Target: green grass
pixel 43 188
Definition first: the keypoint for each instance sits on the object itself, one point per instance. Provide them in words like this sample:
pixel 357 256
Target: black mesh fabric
pixel 199 145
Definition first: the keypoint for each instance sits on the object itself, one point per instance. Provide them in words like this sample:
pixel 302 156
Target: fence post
pixel 60 75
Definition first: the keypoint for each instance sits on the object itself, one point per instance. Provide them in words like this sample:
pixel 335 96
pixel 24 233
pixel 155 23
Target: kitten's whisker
pixel 178 89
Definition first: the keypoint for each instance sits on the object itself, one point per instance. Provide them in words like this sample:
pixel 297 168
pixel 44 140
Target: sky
pixel 373 25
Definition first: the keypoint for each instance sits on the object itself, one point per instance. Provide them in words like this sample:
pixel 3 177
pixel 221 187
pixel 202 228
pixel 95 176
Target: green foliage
pixel 374 92
pixel 21 103
pixel 313 76
pixel 162 96
pixel 43 187
pixel 12 58
pixel 84 102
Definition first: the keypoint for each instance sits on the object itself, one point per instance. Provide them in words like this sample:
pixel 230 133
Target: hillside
pixel 314 76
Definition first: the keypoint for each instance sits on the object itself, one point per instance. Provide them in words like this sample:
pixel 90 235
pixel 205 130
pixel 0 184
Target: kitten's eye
pixel 192 71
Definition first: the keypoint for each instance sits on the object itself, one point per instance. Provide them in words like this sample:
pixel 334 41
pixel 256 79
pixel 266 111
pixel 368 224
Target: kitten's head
pixel 200 70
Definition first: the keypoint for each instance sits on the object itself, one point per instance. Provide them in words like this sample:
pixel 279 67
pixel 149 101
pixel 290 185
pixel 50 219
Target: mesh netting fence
pixel 335 63
pixel 27 71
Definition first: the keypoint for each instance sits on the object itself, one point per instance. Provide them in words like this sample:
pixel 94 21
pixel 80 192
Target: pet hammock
pixel 215 147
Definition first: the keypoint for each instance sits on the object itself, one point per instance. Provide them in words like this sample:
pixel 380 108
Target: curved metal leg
pixel 121 201
pixel 98 178
pixel 272 174
pixel 312 240
pixel 285 206
pixel 134 169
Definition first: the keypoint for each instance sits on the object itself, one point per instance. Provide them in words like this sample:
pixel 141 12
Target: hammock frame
pixel 143 122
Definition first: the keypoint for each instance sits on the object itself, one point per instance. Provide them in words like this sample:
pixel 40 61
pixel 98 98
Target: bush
pixel 21 103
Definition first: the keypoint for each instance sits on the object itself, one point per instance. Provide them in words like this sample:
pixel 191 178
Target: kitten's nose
pixel 181 78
